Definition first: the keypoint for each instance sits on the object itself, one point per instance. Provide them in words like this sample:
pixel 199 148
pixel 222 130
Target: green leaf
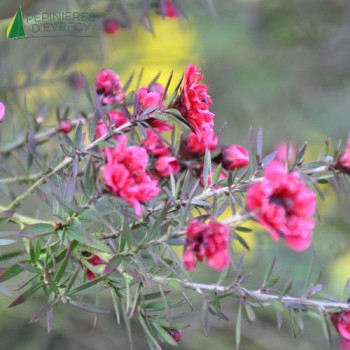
pixel 164 334
pixel 89 307
pixel 4 242
pixel 87 285
pixel 89 241
pixel 249 313
pixel 36 230
pixel 148 332
pixel 10 272
pixel 26 295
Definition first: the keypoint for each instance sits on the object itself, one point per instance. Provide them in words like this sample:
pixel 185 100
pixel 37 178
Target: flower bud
pixel 65 126
pixel 343 162
pixel 111 25
pixel 234 157
pixel 176 334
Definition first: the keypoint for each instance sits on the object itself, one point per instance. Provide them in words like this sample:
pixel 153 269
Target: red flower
pixel 125 174
pixel 114 120
pixel 94 261
pixel 284 205
pixel 176 334
pixel 206 241
pixel 65 126
pixel 166 165
pixel 2 111
pixel 343 162
pixel 111 25
pixel 341 322
pixel 234 157
pixel 150 96
pixel 194 147
pixel 109 86
pixel 155 145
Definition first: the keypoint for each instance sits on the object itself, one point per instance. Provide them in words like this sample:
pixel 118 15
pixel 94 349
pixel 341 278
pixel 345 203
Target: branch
pixel 257 295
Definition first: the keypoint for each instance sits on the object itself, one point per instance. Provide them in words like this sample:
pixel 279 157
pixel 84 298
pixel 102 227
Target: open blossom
pixel 194 147
pixel 150 96
pixel 166 165
pixel 282 149
pixel 343 162
pixel 109 86
pixel 234 157
pixel 208 242
pixel 341 322
pixel 114 120
pixel 111 25
pixel 284 205
pixel 194 104
pixel 155 145
pixel 125 174
pixel 2 111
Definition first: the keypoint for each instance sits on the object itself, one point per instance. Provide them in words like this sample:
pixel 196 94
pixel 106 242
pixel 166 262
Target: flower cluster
pixel 126 176
pixel 207 241
pixel 284 205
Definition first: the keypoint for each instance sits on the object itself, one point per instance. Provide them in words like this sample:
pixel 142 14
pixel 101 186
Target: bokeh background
pixel 283 65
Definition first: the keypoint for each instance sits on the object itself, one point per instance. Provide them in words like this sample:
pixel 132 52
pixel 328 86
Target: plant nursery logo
pixel 51 24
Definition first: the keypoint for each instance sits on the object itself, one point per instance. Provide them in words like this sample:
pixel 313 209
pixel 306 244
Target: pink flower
pixel 125 174
pixel 343 162
pixel 170 10
pixel 206 241
pixel 341 322
pixel 65 126
pixel 284 205
pixel 111 25
pixel 282 149
pixel 114 119
pixel 193 104
pixel 2 111
pixel 109 86
pixel 166 165
pixel 194 147
pixel 234 157
pixel 155 145
pixel 150 96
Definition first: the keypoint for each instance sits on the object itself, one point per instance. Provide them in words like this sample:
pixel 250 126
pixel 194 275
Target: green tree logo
pixel 16 28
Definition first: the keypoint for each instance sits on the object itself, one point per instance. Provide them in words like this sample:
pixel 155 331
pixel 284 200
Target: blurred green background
pixel 283 65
